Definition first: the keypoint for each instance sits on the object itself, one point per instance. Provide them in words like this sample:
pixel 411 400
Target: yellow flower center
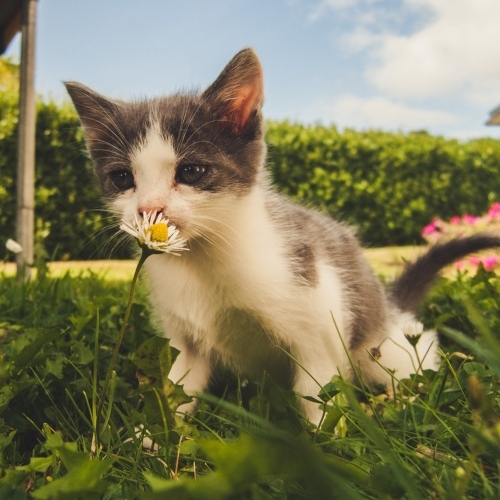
pixel 159 232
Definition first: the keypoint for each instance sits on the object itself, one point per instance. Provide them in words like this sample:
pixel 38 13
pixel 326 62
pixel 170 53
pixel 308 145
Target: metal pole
pixel 26 143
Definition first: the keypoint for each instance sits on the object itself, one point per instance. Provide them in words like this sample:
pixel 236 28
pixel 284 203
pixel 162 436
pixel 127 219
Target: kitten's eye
pixel 190 174
pixel 122 179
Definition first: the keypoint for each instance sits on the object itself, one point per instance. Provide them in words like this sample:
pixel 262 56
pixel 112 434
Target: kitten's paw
pixel 188 409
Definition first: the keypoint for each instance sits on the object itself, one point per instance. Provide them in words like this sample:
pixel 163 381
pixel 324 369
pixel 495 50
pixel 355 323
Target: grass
pixel 436 436
pixel 109 269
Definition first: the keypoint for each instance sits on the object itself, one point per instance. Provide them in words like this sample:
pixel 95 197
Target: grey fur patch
pixel 365 295
pixel 292 221
pixel 313 236
pixel 303 264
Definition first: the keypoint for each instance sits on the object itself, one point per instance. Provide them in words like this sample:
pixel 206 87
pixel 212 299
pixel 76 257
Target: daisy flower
pixel 413 331
pixel 154 233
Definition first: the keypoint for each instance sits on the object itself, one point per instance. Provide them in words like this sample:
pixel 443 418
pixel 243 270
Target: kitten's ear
pixel 238 92
pixel 95 110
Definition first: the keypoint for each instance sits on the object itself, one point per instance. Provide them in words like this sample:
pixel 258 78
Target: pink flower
pixel 429 229
pixel 455 220
pixel 490 262
pixel 494 211
pixel 475 261
pixel 435 226
pixel 459 264
pixel 469 219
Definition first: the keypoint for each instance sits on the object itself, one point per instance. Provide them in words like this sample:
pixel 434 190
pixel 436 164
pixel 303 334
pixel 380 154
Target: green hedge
pixel 69 219
pixel 389 185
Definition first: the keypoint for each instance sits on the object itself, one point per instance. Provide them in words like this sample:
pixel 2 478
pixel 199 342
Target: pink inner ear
pixel 247 99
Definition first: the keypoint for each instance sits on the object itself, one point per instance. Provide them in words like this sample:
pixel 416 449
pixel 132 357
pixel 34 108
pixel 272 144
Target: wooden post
pixel 25 226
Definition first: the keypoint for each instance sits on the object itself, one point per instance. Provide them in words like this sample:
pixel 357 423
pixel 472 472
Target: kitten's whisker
pixel 219 222
pixel 204 235
pixel 117 239
pixel 113 131
pixel 185 127
pixel 110 223
pixel 116 131
pixel 102 245
pixel 186 154
pixel 210 234
pixel 205 124
pixel 110 146
pixel 122 239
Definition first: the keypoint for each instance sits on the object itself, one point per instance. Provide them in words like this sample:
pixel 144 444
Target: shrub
pixel 389 185
pixel 68 215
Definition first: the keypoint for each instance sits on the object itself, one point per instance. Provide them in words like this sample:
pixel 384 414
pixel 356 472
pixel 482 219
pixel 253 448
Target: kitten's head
pixel 190 156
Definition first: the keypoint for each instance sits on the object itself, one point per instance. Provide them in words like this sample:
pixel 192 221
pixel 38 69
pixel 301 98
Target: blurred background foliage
pixel 68 210
pixel 389 185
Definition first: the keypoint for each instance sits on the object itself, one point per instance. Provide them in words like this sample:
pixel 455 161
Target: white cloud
pixel 428 48
pixel 458 50
pixel 339 4
pixel 361 39
pixel 377 112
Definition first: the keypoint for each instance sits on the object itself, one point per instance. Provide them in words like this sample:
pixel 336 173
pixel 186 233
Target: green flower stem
pixel 146 252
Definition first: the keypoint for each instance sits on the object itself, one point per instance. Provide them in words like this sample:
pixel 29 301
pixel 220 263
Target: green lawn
pixel 434 436
pixel 108 269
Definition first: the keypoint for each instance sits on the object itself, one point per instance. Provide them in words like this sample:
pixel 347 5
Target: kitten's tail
pixel 411 287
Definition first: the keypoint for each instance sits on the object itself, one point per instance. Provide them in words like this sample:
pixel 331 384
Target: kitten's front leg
pixel 307 386
pixel 193 372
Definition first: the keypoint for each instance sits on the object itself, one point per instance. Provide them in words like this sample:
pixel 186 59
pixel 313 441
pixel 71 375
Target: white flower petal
pixel 130 230
pixel 413 328
pixel 13 246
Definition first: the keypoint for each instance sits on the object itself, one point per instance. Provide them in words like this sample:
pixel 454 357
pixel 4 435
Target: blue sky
pixel 385 64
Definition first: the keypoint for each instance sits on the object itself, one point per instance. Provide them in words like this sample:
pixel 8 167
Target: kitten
pixel 264 277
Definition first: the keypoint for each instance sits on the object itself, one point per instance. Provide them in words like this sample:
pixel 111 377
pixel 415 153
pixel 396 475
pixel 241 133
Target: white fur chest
pixel 181 291
pixel 201 290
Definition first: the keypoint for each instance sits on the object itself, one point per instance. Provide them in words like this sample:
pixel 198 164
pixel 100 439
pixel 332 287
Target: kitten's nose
pixel 150 208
